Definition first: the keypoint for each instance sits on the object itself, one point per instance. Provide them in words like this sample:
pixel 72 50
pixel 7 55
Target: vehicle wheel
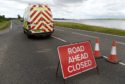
pixel 29 36
pixel 48 36
pixel 24 32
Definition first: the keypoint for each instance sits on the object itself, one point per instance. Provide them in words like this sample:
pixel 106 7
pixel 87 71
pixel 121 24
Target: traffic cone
pixel 97 52
pixel 113 58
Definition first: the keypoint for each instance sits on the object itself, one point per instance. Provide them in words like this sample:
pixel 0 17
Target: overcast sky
pixel 73 9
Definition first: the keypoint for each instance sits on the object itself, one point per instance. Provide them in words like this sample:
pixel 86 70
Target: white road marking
pixel 120 42
pixel 11 26
pixel 104 34
pixel 96 32
pixel 59 30
pixel 44 50
pixel 59 39
pixel 84 35
pixel 122 63
pixel 105 57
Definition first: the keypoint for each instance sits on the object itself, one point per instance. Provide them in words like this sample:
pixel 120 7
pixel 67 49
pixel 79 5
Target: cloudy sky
pixel 73 9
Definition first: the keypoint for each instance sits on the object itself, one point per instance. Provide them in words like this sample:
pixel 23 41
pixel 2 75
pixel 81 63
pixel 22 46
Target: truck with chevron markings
pixel 38 20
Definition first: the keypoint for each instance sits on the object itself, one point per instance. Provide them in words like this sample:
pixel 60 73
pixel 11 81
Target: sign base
pixel 57 69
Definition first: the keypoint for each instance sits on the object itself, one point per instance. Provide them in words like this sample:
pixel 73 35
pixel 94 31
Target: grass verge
pixel 4 25
pixel 91 28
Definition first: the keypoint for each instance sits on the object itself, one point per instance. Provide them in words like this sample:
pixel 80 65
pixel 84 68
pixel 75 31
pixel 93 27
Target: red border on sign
pixel 81 71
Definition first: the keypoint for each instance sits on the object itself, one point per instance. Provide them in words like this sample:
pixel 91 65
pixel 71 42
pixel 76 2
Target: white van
pixel 38 20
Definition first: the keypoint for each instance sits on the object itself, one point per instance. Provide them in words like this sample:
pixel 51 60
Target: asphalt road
pixel 34 61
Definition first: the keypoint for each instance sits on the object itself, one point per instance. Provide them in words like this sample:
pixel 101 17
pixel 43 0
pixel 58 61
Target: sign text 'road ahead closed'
pixel 76 58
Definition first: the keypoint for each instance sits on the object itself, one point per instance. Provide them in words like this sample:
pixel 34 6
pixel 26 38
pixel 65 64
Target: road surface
pixel 34 61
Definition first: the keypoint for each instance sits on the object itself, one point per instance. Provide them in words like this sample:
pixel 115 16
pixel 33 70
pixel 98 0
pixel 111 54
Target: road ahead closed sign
pixel 76 58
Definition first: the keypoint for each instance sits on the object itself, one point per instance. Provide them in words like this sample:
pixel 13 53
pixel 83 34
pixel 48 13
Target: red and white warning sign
pixel 76 58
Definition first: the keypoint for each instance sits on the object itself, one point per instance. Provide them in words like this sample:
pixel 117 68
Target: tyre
pixel 29 36
pixel 49 35
pixel 24 31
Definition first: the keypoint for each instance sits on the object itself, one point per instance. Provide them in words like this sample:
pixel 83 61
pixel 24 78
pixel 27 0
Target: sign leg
pixel 97 69
pixel 64 81
pixel 57 69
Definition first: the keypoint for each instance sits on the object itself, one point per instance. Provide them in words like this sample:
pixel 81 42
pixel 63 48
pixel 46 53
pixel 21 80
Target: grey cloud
pixel 33 1
pixel 62 3
pixel 70 1
pixel 70 8
pixel 65 4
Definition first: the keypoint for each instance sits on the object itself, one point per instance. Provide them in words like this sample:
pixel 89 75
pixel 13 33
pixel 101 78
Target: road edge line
pixel 121 63
pixel 59 30
pixel 11 25
pixel 84 35
pixel 59 39
pixel 95 32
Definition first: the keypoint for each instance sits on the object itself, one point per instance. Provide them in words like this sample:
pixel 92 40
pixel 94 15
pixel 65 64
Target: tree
pixel 19 17
pixel 2 18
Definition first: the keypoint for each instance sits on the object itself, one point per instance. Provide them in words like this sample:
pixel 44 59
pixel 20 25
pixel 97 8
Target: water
pixel 116 24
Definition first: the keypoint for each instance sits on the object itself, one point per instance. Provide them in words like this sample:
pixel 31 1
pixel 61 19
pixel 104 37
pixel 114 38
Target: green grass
pixel 91 28
pixel 4 25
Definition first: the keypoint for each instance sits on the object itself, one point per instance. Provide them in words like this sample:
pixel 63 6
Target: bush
pixel 2 18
